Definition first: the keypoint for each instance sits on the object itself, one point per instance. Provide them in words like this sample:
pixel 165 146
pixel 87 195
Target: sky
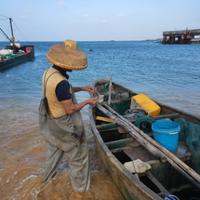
pixel 98 20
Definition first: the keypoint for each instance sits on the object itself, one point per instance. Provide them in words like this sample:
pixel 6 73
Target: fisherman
pixel 60 118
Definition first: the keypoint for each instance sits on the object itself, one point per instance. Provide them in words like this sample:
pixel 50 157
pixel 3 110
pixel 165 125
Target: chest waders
pixel 62 137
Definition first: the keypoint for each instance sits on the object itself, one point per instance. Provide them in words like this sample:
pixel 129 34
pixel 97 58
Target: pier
pixel 181 37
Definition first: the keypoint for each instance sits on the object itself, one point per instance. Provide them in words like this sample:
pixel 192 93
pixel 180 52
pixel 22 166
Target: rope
pixel 20 31
pixel 4 18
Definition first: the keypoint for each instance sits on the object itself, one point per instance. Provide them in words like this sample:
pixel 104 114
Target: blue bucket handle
pixel 171 197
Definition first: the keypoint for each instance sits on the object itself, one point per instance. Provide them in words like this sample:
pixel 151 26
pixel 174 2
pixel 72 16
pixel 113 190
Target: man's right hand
pixel 71 107
pixel 92 101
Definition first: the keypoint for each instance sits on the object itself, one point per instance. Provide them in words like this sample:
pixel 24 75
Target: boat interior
pixel 156 173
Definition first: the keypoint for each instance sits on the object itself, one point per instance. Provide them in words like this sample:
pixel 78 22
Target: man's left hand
pixel 89 89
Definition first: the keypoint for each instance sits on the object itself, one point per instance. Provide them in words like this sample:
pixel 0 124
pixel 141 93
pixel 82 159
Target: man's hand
pixel 71 107
pixel 89 88
pixel 92 101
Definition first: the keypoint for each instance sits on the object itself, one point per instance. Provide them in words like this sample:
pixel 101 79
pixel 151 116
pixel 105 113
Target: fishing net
pixel 190 133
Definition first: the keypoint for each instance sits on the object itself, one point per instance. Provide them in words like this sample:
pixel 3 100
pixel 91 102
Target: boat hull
pixel 129 184
pixel 7 64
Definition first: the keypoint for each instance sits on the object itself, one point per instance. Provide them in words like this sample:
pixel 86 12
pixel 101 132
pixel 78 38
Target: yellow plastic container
pixel 147 104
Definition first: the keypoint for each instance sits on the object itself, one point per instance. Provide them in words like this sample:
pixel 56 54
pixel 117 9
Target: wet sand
pixel 22 157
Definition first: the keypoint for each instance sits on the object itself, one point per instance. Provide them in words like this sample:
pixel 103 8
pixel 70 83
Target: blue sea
pixel 168 73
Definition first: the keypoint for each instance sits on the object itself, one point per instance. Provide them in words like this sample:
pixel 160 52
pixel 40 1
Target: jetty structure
pixel 181 37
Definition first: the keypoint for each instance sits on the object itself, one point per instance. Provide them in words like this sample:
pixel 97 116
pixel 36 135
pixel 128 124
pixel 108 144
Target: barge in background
pixel 181 37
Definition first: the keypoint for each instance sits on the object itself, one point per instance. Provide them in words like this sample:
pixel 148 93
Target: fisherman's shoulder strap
pixel 46 80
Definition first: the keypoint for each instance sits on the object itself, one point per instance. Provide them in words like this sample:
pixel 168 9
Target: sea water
pixel 168 73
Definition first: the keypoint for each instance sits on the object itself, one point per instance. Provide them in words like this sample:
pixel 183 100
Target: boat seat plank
pixel 119 143
pixel 106 126
pixel 104 131
pixel 119 149
pixel 139 152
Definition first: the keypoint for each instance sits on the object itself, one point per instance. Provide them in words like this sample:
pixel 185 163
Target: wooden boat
pixel 19 58
pixel 169 174
pixel 14 54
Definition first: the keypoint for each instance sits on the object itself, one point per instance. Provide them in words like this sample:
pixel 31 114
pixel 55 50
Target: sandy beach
pixel 23 153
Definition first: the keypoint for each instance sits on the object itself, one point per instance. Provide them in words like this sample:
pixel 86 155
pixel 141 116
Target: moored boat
pixel 140 166
pixel 14 54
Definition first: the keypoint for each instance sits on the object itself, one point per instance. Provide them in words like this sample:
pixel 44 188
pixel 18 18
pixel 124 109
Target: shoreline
pixel 22 158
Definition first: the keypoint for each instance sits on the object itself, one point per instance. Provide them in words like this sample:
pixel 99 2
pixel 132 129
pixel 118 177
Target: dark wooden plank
pixel 139 153
pixel 157 183
pixel 119 143
pixel 119 149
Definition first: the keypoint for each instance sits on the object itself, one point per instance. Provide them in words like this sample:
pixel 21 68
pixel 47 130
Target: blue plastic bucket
pixel 166 132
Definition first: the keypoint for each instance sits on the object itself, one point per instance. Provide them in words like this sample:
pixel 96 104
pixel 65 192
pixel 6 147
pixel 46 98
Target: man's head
pixel 67 56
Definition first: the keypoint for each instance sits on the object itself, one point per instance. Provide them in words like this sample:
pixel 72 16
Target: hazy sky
pixel 99 19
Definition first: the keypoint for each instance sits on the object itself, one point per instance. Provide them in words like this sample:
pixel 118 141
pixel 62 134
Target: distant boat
pixel 14 54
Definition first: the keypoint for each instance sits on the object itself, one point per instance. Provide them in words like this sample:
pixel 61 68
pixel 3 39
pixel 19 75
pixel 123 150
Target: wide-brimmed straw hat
pixel 67 56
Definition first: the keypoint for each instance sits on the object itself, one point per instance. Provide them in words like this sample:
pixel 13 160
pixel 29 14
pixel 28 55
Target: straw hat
pixel 67 56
